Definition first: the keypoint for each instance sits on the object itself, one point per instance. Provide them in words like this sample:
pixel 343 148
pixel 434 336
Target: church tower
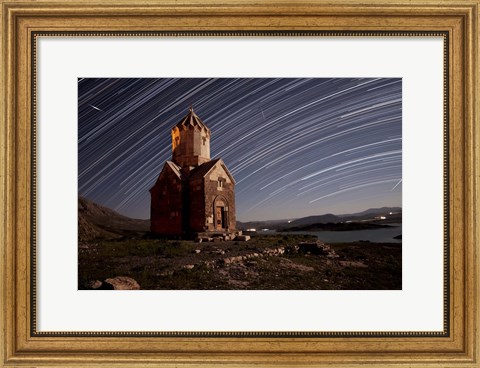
pixel 193 194
pixel 190 142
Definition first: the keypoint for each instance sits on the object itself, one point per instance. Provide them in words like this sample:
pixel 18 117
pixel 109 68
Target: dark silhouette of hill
pixel 269 224
pixel 321 219
pixel 98 222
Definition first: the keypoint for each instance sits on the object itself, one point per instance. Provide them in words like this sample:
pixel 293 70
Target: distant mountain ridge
pixel 95 221
pixel 324 219
pixel 375 211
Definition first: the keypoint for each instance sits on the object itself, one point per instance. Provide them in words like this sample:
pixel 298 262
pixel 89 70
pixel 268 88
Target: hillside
pixel 98 222
pixel 310 220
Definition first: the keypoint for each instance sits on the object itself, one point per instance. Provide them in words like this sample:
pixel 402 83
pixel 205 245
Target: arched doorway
pixel 220 213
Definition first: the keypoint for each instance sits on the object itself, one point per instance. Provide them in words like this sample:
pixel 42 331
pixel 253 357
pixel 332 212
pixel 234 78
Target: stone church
pixel 193 194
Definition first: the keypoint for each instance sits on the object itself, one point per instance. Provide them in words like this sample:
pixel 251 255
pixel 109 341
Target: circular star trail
pixel 296 147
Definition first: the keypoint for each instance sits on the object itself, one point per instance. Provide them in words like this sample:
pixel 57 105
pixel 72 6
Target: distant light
pixel 390 213
pixel 289 221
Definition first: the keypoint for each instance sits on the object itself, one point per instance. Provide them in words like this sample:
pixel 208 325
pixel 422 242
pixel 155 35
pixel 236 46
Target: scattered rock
pixel 292 249
pixel 167 273
pixel 203 239
pixel 197 251
pixel 274 251
pixel 210 264
pixel 236 259
pixel 189 266
pixel 318 247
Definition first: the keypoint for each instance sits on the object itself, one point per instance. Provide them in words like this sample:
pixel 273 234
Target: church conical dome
pixel 191 120
pixel 190 142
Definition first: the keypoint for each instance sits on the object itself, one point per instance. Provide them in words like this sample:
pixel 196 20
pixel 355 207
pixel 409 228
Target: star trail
pixel 296 147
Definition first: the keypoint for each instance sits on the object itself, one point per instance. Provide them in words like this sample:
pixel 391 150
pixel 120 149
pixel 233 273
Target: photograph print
pixel 240 183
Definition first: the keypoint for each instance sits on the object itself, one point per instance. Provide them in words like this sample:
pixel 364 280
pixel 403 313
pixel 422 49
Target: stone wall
pixel 197 205
pixel 212 193
pixel 167 212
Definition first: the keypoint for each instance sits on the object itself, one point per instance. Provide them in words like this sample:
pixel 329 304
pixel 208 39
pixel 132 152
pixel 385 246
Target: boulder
pixel 242 237
pixel 97 284
pixel 122 283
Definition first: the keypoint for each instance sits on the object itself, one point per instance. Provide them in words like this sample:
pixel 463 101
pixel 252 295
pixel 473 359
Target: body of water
pixel 382 235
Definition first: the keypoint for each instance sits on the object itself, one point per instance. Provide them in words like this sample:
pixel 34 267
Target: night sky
pixel 296 147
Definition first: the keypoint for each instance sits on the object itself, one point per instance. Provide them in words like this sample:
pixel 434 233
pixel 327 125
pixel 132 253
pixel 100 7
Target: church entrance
pixel 220 216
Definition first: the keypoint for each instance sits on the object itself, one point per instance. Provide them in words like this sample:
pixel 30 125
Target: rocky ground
pixel 275 262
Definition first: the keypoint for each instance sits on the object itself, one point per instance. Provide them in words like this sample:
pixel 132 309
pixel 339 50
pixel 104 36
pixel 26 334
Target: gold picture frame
pixel 23 20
